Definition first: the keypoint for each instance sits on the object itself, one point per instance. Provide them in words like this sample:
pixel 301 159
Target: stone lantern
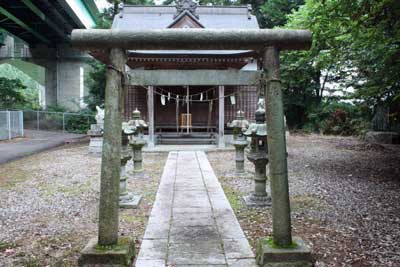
pixel 258 155
pixel 126 199
pixel 137 141
pixel 239 125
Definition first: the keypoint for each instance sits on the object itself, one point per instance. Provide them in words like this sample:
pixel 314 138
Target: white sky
pixel 101 4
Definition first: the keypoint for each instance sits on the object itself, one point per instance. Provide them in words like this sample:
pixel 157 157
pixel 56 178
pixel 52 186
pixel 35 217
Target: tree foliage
pixel 355 56
pixel 355 46
pixel 96 77
pixel 11 93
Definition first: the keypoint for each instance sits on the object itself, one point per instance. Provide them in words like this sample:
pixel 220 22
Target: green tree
pixel 355 45
pixel 95 79
pixel 274 13
pixel 11 93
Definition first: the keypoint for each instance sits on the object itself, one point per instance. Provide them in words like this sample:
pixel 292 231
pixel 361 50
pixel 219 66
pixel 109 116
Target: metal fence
pixel 57 121
pixel 11 124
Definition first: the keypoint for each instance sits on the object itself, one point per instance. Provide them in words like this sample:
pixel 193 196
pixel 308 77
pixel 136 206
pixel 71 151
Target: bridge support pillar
pixel 64 75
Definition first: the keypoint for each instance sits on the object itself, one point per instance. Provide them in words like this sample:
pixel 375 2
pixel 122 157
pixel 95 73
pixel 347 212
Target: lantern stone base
pixel 96 144
pixel 120 255
pixel 129 201
pixel 254 201
pixel 270 256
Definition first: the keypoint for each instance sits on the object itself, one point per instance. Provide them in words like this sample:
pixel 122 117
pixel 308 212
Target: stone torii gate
pixel 268 42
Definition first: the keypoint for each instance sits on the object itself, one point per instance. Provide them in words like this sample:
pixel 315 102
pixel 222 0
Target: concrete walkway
pixel 192 223
pixel 34 142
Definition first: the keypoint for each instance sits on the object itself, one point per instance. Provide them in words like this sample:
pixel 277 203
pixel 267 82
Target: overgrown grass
pixel 234 197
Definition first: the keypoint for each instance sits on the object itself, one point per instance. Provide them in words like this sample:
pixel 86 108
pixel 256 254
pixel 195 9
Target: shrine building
pixel 189 96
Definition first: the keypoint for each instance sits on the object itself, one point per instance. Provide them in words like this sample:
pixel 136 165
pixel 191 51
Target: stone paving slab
pixel 192 222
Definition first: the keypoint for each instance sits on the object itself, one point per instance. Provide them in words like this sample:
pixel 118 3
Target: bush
pixel 73 122
pixel 338 118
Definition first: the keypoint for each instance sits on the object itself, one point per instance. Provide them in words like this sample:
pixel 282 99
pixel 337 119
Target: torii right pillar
pixel 281 249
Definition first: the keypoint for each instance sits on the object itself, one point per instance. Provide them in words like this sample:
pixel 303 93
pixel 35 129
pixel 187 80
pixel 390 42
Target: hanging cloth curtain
pixel 201 97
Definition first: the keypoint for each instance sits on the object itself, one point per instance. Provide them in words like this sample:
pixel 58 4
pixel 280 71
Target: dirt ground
pixel 344 197
pixel 48 205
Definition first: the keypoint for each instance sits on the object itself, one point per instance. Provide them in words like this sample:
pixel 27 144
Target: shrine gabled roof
pixel 160 17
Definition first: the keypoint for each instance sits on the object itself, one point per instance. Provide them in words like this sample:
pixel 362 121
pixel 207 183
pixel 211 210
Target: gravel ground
pixel 344 196
pixel 48 205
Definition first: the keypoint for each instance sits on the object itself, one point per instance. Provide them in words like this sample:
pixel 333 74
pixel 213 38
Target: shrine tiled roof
pixel 161 17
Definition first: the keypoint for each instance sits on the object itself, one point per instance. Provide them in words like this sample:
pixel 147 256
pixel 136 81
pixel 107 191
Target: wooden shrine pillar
pixel 150 108
pixel 221 116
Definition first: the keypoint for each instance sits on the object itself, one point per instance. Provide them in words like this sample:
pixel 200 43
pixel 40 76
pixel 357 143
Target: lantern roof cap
pixel 240 121
pixel 259 128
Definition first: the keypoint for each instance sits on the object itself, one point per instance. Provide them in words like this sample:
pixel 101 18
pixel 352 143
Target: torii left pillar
pixel 107 249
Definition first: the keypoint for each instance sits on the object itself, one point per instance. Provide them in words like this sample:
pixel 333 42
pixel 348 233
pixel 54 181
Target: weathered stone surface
pixel 198 252
pixel 281 221
pixel 156 230
pixel 111 153
pixel 374 137
pixel 95 144
pixel 202 39
pixel 237 249
pixel 131 201
pixel 194 234
pixel 120 255
pixel 242 263
pixel 299 256
pixel 150 263
pixel 193 221
pixel 153 249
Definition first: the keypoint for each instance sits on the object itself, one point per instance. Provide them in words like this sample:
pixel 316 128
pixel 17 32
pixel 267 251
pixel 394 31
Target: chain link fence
pixel 57 121
pixel 11 124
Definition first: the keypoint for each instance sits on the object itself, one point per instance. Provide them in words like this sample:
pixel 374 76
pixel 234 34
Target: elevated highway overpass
pixel 38 32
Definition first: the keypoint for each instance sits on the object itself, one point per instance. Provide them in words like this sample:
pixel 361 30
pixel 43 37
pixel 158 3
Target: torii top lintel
pixel 195 39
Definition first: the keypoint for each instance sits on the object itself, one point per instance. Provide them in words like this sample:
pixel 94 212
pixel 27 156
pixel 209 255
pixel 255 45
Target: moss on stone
pixel 123 244
pixel 272 244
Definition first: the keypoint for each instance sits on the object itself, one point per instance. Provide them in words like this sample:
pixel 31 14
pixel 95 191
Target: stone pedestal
pixel 96 139
pixel 260 197
pixel 239 159
pixel 119 255
pixel 297 255
pixel 137 146
pixel 375 137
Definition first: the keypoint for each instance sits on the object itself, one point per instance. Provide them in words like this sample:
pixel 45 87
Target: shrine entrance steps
pixel 186 138
pixel 192 223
